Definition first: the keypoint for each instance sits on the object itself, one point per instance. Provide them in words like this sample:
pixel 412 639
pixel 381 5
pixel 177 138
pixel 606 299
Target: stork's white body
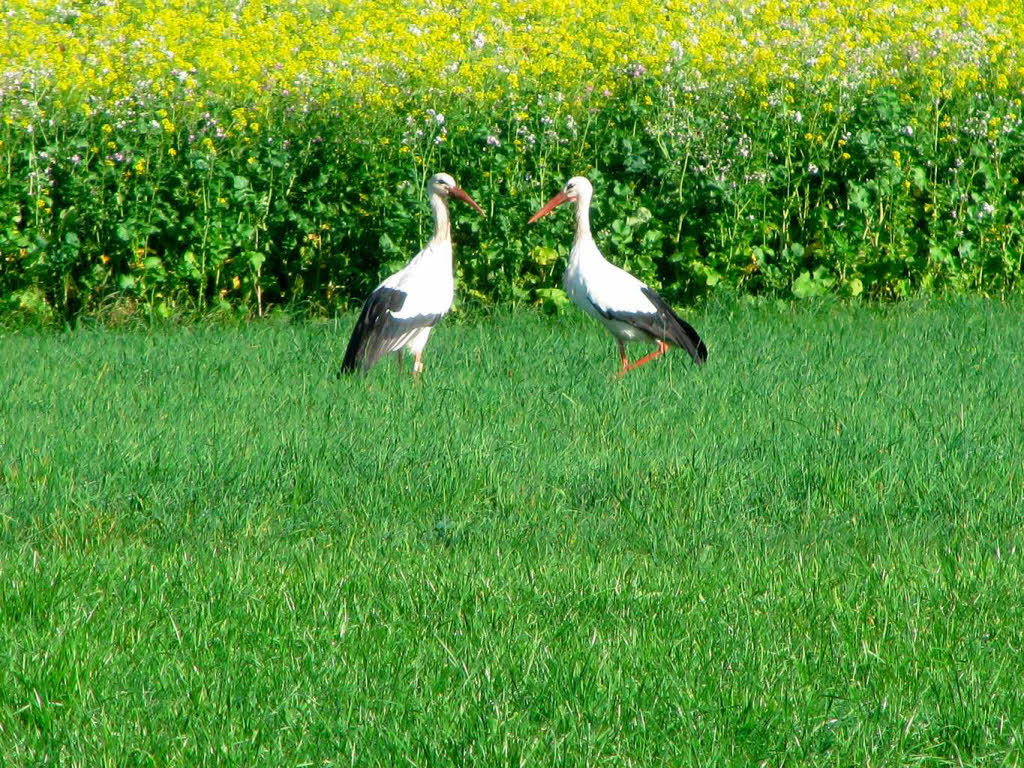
pixel 594 284
pixel 628 308
pixel 428 281
pixel 401 312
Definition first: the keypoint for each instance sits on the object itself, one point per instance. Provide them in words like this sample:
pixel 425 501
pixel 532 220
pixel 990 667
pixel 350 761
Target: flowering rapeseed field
pixel 253 153
pixel 396 53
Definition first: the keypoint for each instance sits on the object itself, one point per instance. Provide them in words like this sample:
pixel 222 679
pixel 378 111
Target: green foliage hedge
pixel 882 193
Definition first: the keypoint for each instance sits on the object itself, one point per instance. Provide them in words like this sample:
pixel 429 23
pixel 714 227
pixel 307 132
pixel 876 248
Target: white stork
pixel 402 310
pixel 629 309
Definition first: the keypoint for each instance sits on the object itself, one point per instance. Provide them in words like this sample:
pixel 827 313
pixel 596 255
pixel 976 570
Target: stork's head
pixel 444 186
pixel 576 189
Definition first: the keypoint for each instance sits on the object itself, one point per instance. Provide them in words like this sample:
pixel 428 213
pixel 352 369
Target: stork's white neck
pixel 583 235
pixel 442 223
pixel 582 218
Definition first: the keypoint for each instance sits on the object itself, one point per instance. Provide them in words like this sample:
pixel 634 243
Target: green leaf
pixel 859 197
pixel 543 255
pixel 808 285
pixel 554 297
pixel 919 178
pixel 192 265
pixel 641 216
pixel 711 276
pixel 803 286
pixel 940 254
pixel 822 276
pixel 652 238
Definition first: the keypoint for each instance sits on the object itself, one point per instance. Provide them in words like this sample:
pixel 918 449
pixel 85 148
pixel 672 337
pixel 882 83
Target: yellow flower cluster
pixel 385 53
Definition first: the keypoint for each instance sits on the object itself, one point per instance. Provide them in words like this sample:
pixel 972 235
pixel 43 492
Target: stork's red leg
pixel 417 366
pixel 622 357
pixel 661 350
pixel 400 366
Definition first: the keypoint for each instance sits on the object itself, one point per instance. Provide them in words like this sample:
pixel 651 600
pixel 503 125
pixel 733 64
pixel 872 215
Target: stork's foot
pixel 628 366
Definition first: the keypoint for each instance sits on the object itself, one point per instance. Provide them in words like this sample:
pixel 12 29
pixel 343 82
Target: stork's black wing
pixel 662 324
pixel 381 329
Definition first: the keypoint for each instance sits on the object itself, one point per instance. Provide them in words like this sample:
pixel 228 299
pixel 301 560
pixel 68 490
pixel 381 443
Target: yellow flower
pixel 382 55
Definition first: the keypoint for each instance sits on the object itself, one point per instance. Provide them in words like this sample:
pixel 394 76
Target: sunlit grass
pixel 213 551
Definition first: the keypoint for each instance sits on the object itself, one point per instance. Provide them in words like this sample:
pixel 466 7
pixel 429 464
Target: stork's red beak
pixel 553 203
pixel 460 193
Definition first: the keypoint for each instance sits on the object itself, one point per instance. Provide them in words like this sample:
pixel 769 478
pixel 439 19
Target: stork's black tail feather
pixel 677 330
pixel 364 347
pixel 687 337
pixel 353 352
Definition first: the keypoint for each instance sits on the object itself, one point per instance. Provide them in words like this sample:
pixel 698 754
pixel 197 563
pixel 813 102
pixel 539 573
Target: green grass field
pixel 214 552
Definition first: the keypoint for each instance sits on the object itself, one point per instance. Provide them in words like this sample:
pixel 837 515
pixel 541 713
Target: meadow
pixel 213 551
pixel 173 159
pixel 808 552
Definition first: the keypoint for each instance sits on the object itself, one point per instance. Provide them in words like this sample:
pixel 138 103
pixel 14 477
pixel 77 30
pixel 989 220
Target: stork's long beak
pixel 460 193
pixel 553 203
